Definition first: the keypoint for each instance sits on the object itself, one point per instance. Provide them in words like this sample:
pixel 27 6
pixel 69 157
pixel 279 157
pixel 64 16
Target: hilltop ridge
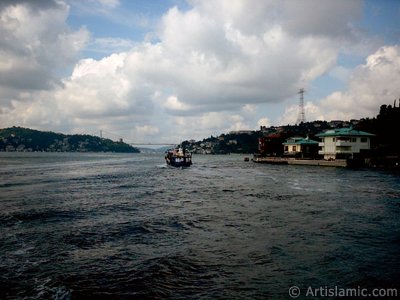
pixel 28 140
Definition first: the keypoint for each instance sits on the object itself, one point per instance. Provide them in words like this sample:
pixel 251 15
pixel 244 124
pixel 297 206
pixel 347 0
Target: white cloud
pixel 211 64
pixel 35 47
pixel 340 73
pixel 147 130
pixel 238 123
pixel 173 104
pixel 96 89
pixel 264 122
pixel 291 115
pixel 372 84
pixel 211 69
pixel 249 108
pixel 324 17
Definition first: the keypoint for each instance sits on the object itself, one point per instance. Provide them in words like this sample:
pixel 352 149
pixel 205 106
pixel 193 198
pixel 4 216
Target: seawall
pixel 304 162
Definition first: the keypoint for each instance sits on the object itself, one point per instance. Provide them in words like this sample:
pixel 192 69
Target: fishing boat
pixel 178 158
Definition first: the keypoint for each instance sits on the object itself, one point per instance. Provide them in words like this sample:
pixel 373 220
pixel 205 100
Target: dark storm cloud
pixel 34 4
pixel 36 43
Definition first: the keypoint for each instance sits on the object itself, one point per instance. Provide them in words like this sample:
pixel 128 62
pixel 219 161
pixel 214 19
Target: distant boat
pixel 178 158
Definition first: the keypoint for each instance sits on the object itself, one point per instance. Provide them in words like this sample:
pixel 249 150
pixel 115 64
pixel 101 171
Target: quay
pixel 304 162
pixel 271 160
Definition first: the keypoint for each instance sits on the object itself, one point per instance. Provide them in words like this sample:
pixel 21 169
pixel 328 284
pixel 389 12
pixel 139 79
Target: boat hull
pixel 182 164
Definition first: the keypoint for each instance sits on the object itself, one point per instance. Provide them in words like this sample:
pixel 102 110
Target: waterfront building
pixel 271 145
pixel 300 147
pixel 343 143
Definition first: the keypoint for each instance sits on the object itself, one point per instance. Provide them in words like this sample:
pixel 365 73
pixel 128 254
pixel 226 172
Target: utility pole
pixel 301 118
pixel 101 134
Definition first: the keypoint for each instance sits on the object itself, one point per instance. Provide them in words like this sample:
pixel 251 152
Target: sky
pixel 163 71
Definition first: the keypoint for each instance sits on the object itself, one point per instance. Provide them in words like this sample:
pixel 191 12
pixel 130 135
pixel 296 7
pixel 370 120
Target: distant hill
pixel 28 140
pixel 225 143
pixel 153 150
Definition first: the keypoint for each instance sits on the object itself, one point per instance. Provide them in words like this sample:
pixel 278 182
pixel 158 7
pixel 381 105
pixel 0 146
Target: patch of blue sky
pixel 324 86
pixel 116 29
pixel 350 60
pixel 382 18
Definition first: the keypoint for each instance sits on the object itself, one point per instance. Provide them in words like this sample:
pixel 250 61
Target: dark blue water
pixel 125 226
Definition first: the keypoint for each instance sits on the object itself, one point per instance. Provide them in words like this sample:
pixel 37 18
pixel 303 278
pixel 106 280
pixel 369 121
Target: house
pixel 343 143
pixel 300 147
pixel 271 145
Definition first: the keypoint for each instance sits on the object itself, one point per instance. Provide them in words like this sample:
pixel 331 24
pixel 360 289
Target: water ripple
pixel 123 226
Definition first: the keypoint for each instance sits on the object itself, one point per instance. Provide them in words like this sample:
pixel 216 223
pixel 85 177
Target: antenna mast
pixel 301 118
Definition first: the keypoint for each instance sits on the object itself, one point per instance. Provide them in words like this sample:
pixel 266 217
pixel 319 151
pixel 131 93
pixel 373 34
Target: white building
pixel 343 143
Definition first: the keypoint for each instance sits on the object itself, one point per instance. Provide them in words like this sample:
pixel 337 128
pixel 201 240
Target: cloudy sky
pixel 168 70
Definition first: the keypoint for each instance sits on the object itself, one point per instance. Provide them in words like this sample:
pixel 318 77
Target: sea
pixel 126 226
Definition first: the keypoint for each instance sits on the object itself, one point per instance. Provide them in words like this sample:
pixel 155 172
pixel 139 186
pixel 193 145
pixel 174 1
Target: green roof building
pixel 343 143
pixel 300 147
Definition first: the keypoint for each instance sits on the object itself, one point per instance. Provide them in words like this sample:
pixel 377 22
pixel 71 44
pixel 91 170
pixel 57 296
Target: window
pixel 286 148
pixel 364 140
pixel 334 139
pixel 294 148
pixel 353 140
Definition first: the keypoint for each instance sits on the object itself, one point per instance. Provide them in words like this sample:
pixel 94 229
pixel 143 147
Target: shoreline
pixel 305 162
